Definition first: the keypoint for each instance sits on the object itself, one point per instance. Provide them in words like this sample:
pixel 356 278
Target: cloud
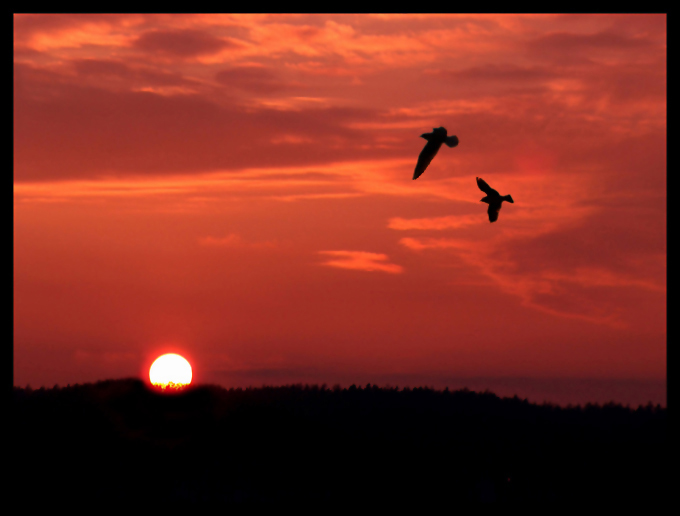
pixel 231 240
pixel 67 131
pixel 226 241
pixel 555 286
pixel 257 79
pixel 57 32
pixel 201 189
pixel 183 43
pixel 419 244
pixel 436 223
pixel 589 44
pixel 498 80
pixel 168 119
pixel 560 252
pixel 595 277
pixel 131 76
pixel 361 261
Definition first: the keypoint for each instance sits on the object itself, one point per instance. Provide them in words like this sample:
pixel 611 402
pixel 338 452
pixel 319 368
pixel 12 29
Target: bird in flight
pixel 493 199
pixel 434 141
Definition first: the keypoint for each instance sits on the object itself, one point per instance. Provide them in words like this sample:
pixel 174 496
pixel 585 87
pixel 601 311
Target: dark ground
pixel 119 443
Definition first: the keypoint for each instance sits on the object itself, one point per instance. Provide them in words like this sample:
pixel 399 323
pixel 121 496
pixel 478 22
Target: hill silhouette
pixel 119 442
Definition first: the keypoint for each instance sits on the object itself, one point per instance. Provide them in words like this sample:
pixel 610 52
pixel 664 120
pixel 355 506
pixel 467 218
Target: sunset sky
pixel 238 189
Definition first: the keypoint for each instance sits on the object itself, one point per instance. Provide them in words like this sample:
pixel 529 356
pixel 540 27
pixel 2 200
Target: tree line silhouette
pixel 120 442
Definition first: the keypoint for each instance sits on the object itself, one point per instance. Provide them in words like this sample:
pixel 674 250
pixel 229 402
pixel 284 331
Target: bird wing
pixel 494 208
pixel 426 155
pixel 451 141
pixel 485 187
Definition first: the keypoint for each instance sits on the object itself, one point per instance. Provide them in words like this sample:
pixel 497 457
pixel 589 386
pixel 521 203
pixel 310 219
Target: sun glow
pixel 170 371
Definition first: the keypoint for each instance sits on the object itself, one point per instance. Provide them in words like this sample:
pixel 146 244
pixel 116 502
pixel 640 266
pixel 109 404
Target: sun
pixel 170 371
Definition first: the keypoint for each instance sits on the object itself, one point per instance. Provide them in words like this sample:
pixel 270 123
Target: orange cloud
pixel 449 222
pixel 225 241
pixel 231 240
pixel 569 292
pixel 362 261
pixel 546 249
pixel 56 32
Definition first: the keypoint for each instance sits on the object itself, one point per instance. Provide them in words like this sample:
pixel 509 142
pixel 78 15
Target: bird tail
pixel 451 141
pixel 509 199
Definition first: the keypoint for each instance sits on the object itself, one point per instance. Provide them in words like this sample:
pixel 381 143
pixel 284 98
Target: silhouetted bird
pixel 434 141
pixel 493 199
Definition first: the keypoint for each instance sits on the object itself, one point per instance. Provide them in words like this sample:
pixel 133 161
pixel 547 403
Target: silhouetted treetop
pixel 308 442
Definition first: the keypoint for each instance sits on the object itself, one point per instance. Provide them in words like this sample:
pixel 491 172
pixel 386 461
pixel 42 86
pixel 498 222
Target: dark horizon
pixel 562 392
pixel 122 441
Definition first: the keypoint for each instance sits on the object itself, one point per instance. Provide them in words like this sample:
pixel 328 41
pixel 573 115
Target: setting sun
pixel 170 371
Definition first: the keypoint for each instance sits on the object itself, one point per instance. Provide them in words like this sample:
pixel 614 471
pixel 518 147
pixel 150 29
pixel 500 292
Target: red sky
pixel 237 189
